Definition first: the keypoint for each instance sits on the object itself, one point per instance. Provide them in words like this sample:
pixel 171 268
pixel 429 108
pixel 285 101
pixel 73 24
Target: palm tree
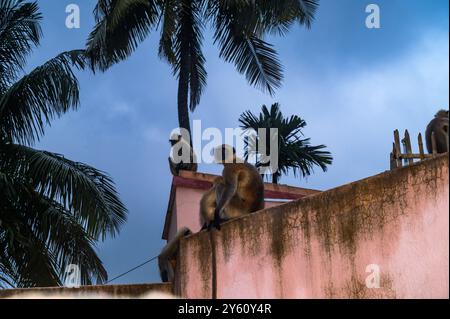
pixel 293 152
pixel 52 210
pixel 238 26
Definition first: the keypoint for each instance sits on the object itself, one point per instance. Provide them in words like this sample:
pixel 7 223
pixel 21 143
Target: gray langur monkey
pixel 182 161
pixel 167 257
pixel 438 125
pixel 239 191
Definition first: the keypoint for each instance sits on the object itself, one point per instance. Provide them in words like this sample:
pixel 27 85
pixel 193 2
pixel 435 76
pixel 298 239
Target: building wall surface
pixel 322 245
pixel 87 292
pixel 186 210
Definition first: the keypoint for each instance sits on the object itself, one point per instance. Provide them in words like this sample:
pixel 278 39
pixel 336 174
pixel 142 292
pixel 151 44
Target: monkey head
pixel 442 114
pixel 174 139
pixel 224 154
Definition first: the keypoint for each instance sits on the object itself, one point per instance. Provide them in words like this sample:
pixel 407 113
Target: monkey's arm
pixel 227 193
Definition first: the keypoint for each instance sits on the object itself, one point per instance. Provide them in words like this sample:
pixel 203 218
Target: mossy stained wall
pixel 327 245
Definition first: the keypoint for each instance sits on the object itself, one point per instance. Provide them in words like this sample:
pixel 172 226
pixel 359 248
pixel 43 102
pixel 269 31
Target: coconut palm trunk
pixel 183 92
pixel 184 37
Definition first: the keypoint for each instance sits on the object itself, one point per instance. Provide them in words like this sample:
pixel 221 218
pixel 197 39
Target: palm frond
pixel 47 92
pixel 278 16
pixel 251 55
pixel 294 153
pixel 66 238
pixel 4 280
pixel 19 31
pixel 120 26
pixel 87 193
pixel 101 9
pixel 39 239
pixel 52 210
pixel 166 49
pixel 303 157
pixel 6 185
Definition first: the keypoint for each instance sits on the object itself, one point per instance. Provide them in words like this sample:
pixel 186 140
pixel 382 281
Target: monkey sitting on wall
pixel 239 191
pixel 185 158
pixel 167 257
pixel 438 125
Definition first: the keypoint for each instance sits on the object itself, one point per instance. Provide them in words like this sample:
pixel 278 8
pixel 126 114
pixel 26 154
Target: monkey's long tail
pixel 168 253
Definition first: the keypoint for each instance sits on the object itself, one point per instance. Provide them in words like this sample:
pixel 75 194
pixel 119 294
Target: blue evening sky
pixel 352 85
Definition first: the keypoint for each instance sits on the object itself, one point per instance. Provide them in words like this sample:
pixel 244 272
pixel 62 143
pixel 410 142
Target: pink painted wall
pixel 320 246
pixel 187 207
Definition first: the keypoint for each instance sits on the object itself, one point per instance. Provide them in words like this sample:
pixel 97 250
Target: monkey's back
pixel 251 186
pixel 439 126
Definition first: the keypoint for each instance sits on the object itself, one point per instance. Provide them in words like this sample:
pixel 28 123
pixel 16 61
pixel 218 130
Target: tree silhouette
pixel 293 152
pixel 52 210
